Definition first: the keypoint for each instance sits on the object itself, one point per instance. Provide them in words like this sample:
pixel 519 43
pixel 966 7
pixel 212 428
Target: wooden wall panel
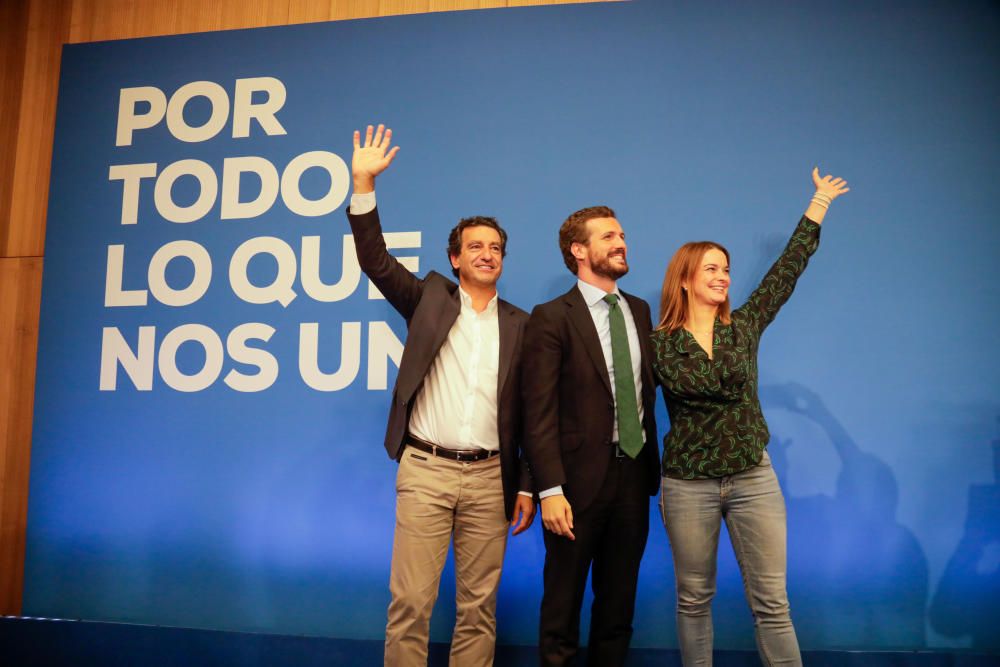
pixel 391 7
pixel 309 11
pixel 253 13
pixel 13 33
pixel 109 19
pixel 95 20
pixel 32 34
pixel 20 296
pixel 453 5
pixel 538 3
pixel 48 25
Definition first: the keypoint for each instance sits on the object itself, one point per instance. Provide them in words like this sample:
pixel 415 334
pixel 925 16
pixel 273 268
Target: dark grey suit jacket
pixel 569 410
pixel 430 307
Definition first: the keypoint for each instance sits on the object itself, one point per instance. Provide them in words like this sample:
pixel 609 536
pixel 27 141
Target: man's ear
pixel 578 250
pixel 454 261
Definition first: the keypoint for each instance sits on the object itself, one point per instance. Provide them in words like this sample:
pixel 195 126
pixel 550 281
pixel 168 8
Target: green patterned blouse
pixel 716 424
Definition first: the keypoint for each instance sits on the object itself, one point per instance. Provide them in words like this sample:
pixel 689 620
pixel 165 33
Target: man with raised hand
pixel 454 423
pixel 590 438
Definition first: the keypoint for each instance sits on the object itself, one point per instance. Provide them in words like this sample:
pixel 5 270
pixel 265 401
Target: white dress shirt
pixel 363 203
pixel 457 405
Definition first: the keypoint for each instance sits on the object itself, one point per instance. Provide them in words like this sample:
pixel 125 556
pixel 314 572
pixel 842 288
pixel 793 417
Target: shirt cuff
pixel 554 491
pixel 525 493
pixel 363 203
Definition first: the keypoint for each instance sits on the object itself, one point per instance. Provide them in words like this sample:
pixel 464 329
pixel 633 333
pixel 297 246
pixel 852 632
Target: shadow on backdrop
pixel 967 601
pixel 853 569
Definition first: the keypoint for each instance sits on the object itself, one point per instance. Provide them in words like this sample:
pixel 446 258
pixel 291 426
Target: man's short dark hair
pixel 574 230
pixel 455 238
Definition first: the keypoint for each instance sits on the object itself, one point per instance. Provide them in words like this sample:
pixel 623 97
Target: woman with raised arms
pixel 715 462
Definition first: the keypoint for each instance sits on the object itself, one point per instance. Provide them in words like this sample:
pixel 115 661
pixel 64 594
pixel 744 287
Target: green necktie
pixel 629 429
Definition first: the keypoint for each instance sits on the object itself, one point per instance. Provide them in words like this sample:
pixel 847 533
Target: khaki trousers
pixel 435 499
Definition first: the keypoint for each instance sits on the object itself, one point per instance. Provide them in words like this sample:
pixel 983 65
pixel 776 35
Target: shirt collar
pixel 591 294
pixel 466 302
pixel 682 342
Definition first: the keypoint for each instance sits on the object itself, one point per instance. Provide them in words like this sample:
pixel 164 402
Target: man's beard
pixel 603 267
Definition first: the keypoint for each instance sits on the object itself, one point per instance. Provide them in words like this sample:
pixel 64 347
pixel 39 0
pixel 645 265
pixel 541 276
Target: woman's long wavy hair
pixel 682 268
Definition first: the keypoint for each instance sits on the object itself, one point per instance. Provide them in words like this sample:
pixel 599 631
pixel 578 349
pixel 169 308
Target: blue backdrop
pixel 160 494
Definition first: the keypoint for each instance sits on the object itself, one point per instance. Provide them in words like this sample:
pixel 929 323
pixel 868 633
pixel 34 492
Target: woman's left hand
pixel 828 185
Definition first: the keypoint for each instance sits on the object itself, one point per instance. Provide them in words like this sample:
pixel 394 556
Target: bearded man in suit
pixel 590 437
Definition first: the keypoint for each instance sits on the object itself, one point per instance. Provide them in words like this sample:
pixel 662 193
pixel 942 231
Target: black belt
pixel 477 454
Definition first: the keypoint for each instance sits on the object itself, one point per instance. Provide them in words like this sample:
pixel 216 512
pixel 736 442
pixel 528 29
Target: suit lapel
pixel 579 315
pixel 450 309
pixel 509 334
pixel 427 333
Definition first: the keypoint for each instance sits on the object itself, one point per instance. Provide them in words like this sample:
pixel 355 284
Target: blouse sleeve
pixel 779 282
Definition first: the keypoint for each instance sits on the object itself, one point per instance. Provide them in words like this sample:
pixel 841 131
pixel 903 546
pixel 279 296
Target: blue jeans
pixel 754 510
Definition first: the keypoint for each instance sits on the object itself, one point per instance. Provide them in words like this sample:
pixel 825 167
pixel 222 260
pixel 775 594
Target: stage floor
pixel 52 643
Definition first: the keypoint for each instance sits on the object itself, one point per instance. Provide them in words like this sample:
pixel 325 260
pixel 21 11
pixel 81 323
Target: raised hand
pixel 828 188
pixel 372 158
pixel 828 185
